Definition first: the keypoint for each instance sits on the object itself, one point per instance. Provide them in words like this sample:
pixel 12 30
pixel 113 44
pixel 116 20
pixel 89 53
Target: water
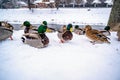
pixel 57 26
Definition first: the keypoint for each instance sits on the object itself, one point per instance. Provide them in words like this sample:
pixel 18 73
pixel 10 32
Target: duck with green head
pixel 78 30
pixel 27 26
pixel 39 39
pixel 106 31
pixel 41 31
pixel 66 35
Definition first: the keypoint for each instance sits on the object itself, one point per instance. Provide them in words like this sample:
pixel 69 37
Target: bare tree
pixel 89 1
pixel 102 1
pixel 77 1
pixel 68 1
pixel 29 5
pixel 57 2
pixel 114 19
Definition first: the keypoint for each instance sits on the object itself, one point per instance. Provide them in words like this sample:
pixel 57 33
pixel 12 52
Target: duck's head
pixel 88 27
pixel 45 26
pixel 107 28
pixel 44 23
pixel 69 27
pixel 26 23
pixel 2 23
pixel 76 26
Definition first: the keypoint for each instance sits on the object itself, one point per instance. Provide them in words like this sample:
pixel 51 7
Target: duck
pixel 37 40
pixel 95 35
pixel 65 33
pixel 29 28
pixel 78 30
pixel 106 31
pixel 6 25
pixel 6 30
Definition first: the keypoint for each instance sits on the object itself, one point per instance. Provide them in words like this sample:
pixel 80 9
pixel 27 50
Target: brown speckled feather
pixel 95 35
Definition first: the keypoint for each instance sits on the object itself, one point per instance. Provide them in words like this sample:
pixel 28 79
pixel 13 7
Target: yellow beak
pixel 48 30
pixel 71 29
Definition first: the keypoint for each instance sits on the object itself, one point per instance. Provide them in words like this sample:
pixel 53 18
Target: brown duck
pixel 65 33
pixel 95 35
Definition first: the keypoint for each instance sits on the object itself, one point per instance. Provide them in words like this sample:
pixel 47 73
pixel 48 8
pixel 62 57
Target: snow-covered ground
pixel 74 60
pixel 96 16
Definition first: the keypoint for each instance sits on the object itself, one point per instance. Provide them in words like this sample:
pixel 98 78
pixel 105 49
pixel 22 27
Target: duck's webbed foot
pixel 93 42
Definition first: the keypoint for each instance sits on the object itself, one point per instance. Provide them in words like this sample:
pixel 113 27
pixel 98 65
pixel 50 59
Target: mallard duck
pixel 65 33
pixel 5 33
pixel 35 40
pixel 78 30
pixel 6 25
pixel 6 30
pixel 38 40
pixel 95 35
pixel 29 28
pixel 106 31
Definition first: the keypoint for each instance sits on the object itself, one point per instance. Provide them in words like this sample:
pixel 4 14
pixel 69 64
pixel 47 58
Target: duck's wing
pixel 95 31
pixel 100 35
pixel 67 35
pixel 5 33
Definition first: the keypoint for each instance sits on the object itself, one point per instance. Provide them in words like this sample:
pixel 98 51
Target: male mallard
pixel 38 40
pixel 6 30
pixel 78 30
pixel 106 31
pixel 65 34
pixel 28 27
pixel 95 35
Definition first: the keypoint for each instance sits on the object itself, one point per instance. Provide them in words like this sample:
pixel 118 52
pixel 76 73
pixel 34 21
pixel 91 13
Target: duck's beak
pixel 48 30
pixel 71 29
pixel 22 26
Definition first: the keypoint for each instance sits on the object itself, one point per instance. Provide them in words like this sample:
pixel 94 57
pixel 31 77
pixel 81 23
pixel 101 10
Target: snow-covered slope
pixel 75 60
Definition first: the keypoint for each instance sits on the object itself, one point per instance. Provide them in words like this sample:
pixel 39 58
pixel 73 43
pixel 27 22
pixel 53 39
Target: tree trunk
pixel 29 6
pixel 114 19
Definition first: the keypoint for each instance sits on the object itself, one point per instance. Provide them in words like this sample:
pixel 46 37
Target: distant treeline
pixel 58 3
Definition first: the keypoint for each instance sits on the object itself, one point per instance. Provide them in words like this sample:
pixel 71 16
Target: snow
pixel 110 2
pixel 21 3
pixel 96 1
pixel 37 1
pixel 96 16
pixel 77 59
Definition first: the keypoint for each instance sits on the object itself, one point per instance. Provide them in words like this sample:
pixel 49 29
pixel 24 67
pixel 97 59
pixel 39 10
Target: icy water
pixel 57 26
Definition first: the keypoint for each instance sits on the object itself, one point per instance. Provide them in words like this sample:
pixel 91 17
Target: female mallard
pixel 6 25
pixel 6 30
pixel 95 35
pixel 38 40
pixel 78 30
pixel 65 34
